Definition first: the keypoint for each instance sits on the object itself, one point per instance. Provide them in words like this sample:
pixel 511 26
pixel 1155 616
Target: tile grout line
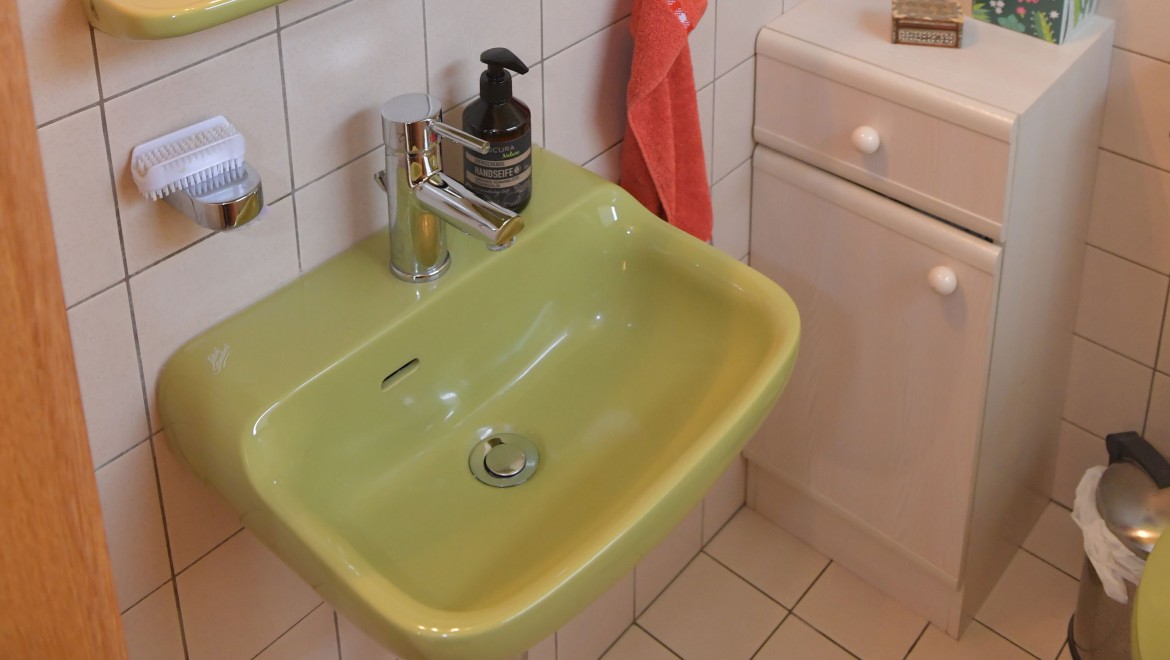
pixel 1126 259
pixel 315 14
pixel 337 632
pixel 215 547
pixel 288 630
pixel 292 173
pixel 1154 376
pixel 651 636
pixel 1132 159
pixel 110 461
pixel 1004 637
pixel 426 51
pixel 1050 564
pixel 916 640
pixel 787 614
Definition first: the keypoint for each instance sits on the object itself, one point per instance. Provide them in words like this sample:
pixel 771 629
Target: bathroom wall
pixel 1120 373
pixel 303 82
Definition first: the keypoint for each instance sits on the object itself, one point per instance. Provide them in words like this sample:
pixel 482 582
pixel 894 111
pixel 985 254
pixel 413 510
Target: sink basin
pixel 338 415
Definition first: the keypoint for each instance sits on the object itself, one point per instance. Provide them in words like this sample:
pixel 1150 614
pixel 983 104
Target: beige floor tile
pixel 1064 654
pixel 1031 605
pixel 1057 540
pixel 796 640
pixel 710 613
pixel 859 617
pixel 776 562
pixel 635 644
pixel 977 643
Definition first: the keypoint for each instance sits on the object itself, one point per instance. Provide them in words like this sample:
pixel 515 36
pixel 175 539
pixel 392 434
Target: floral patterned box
pixel 1050 20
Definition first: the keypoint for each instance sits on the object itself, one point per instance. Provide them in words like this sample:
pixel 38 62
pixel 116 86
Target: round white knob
pixel 866 139
pixel 943 280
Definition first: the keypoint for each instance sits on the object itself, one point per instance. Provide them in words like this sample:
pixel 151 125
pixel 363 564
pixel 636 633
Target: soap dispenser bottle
pixel 504 174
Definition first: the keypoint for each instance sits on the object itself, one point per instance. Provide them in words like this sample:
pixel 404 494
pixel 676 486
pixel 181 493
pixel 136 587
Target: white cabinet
pixel 915 442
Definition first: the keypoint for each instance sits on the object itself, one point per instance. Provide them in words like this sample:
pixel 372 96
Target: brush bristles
pixel 193 180
pixel 187 157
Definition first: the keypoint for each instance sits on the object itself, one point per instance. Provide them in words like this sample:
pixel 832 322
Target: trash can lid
pixel 1133 506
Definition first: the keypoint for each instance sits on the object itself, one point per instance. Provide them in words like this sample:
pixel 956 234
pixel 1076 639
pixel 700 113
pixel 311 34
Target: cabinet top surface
pixel 995 66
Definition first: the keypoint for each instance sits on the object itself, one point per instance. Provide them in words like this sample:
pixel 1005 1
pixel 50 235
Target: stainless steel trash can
pixel 1133 499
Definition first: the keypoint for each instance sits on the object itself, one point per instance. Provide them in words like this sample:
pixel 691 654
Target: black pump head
pixel 495 84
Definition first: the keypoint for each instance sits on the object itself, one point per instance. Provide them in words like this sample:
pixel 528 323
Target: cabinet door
pixel 882 416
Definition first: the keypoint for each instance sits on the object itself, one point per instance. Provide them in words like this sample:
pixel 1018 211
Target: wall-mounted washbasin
pixel 341 414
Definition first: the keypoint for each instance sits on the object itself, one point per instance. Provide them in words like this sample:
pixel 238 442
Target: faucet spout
pixel 422 199
pixel 492 224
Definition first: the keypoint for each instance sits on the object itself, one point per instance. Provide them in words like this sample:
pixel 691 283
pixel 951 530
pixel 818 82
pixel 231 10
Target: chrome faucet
pixel 423 199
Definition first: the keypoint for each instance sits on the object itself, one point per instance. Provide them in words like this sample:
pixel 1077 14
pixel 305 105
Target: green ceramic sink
pixel 338 415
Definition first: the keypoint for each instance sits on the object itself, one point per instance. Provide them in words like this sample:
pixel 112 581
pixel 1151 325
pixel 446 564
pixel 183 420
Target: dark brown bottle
pixel 504 174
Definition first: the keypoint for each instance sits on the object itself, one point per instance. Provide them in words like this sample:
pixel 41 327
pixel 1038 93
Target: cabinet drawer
pixel 945 169
pixel 883 412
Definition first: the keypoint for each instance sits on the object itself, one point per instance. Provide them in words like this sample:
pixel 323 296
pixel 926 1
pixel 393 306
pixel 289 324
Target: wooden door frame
pixel 57 596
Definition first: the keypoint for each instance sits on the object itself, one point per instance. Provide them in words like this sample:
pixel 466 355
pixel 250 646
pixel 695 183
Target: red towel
pixel 662 156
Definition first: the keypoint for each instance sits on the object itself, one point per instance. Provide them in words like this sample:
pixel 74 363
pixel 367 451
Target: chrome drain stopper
pixel 504 459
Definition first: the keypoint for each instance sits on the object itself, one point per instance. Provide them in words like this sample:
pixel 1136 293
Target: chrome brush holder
pixel 226 201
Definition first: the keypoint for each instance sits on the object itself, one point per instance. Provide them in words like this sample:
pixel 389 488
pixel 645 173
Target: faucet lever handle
pixel 462 137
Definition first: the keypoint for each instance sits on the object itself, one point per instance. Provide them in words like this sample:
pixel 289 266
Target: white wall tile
pixel 107 371
pixel 1078 450
pixel 356 645
pixel 731 199
pixel 1141 25
pixel 702 41
pixel 706 101
pixel 457 32
pixel 238 599
pixel 1131 211
pixel 737 24
pixel 125 63
pixel 597 627
pixel 85 224
pixel 59 56
pixel 134 525
pixel 152 627
pixel 609 164
pixel 1106 391
pixel 1121 305
pixel 244 86
pixel 340 67
pixel 1158 421
pixel 291 11
pixel 668 559
pixel 340 209
pixel 186 294
pixel 198 519
pixel 578 124
pixel 734 107
pixel 724 498
pixel 313 638
pixel 1137 112
pixel 568 21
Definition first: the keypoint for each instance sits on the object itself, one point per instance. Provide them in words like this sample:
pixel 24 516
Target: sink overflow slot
pixel 399 373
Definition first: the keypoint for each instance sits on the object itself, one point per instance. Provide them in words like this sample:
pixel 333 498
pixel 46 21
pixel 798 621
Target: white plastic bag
pixel 1113 562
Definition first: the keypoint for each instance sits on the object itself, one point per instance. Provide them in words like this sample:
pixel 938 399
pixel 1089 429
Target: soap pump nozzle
pixel 495 84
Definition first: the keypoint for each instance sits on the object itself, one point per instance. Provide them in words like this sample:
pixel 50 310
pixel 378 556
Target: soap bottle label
pixel 504 174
